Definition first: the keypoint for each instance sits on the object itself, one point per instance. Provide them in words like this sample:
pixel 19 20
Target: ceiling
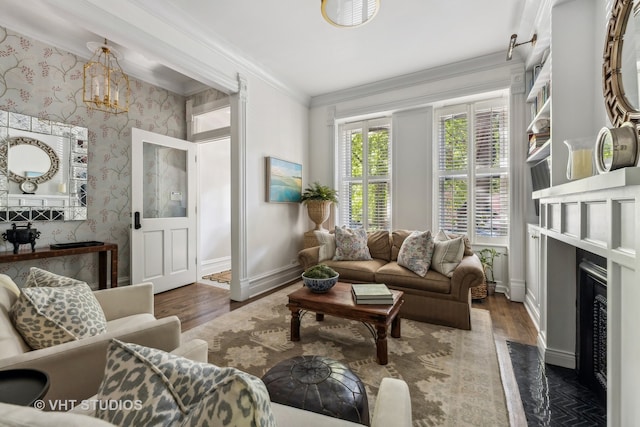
pixel 288 40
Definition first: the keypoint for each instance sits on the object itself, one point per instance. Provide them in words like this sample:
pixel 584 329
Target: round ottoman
pixel 319 384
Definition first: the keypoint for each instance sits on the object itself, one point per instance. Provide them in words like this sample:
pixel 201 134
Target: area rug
pixel 453 375
pixel 222 277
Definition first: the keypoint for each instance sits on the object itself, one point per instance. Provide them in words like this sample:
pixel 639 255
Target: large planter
pixel 319 211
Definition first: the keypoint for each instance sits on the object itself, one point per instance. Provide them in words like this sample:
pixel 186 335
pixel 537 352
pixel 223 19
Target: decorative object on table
pixel 284 181
pixel 371 293
pixel 105 87
pixel 487 257
pixel 616 148
pixel 28 187
pixel 318 199
pixel 21 235
pixel 580 163
pixel 320 278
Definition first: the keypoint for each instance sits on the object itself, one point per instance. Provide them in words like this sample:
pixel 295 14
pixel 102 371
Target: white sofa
pixel 76 368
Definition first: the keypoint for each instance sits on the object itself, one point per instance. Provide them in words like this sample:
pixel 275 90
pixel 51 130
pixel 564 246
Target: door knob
pixel 136 221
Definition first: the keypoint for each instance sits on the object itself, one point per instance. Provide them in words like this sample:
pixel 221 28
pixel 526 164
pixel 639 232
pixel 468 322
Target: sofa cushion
pixel 327 243
pixel 47 316
pixel 467 243
pixel 23 416
pixel 351 244
pixel 401 277
pixel 397 238
pixel 38 277
pixel 379 244
pixel 361 271
pixel 172 390
pixel 447 253
pixel 416 251
pixel 11 342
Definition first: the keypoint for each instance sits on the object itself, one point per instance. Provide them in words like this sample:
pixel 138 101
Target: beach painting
pixel 284 181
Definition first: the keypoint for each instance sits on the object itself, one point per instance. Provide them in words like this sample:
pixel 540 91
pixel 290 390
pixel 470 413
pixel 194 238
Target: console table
pixel 9 256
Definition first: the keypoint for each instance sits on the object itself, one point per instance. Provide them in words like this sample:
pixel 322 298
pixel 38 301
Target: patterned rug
pixel 453 375
pixel 222 277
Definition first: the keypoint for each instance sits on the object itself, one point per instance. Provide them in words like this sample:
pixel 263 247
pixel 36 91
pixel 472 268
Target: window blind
pixel 364 159
pixel 473 169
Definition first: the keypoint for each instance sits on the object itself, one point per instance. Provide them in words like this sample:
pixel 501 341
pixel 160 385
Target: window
pixel 364 168
pixel 473 170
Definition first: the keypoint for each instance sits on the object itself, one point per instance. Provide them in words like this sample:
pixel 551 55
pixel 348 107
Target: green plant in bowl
pixel 320 278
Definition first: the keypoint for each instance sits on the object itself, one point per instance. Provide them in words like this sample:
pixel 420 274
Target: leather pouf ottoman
pixel 319 384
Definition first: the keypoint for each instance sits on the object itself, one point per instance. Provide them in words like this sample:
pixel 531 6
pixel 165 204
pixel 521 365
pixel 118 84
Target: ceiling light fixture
pixel 349 13
pixel 105 86
pixel 513 45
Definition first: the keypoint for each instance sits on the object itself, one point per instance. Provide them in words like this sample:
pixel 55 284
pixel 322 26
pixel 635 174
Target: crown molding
pixel 456 69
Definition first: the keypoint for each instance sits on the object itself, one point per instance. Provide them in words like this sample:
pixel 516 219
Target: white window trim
pixel 456 108
pixel 358 124
pixel 192 112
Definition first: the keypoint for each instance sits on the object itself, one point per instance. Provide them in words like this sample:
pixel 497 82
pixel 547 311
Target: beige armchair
pixel 76 368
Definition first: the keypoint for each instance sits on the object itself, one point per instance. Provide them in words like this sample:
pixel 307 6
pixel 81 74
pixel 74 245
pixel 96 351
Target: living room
pixel 43 79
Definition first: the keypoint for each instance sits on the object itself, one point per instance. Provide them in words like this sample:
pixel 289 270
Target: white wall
pixel 214 232
pixel 277 125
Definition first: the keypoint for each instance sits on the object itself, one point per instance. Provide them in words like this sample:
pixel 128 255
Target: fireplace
pixel 591 322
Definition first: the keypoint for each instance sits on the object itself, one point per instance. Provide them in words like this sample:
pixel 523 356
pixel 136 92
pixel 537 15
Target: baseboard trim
pixel 533 312
pixel 215 265
pixel 273 279
pixel 563 358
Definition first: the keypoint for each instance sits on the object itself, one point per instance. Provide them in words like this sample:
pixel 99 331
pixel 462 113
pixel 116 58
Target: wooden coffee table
pixel 339 302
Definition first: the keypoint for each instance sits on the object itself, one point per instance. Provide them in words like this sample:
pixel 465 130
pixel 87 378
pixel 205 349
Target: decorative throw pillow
pixel 46 316
pixel 416 252
pixel 447 254
pixel 165 389
pixel 467 244
pixel 327 245
pixel 38 277
pixel 351 245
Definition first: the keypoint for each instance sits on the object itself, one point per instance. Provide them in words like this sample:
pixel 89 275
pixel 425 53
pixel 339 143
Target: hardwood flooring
pixel 198 303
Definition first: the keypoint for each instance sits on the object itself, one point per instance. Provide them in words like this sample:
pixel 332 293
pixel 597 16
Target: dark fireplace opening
pixel 591 322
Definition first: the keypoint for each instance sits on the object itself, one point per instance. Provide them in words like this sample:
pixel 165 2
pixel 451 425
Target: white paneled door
pixel 163 202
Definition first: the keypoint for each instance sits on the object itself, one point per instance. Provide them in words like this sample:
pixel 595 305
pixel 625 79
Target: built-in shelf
pixel 541 153
pixel 606 181
pixel 544 112
pixel 543 77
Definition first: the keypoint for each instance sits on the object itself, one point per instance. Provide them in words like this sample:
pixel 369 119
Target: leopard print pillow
pixel 39 277
pixel 46 316
pixel 158 388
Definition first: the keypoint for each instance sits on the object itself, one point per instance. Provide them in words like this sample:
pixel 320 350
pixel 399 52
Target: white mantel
pixel 598 214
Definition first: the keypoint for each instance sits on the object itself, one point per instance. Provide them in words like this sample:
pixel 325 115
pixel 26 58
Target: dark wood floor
pixel 199 303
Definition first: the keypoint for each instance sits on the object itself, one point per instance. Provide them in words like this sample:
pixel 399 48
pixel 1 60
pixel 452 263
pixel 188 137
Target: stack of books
pixel 371 293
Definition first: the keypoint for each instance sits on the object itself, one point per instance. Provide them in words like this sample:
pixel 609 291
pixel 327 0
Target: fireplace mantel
pixel 598 214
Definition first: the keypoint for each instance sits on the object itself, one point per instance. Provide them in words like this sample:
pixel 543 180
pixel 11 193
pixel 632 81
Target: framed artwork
pixel 284 181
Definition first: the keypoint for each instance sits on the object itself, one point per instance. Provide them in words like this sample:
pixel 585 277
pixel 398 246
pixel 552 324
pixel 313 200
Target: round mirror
pixel 620 70
pixel 30 159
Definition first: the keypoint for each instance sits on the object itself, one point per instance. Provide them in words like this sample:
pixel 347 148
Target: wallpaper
pixel 40 80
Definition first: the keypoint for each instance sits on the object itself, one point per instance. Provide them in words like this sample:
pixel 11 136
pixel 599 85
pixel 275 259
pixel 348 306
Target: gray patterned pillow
pixel 416 252
pixel 165 389
pixel 46 316
pixel 38 277
pixel 351 245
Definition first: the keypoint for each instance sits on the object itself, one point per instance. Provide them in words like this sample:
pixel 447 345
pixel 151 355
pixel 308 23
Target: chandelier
pixel 349 13
pixel 105 86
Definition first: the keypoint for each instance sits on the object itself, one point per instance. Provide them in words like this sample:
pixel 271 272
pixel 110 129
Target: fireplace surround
pixel 591 322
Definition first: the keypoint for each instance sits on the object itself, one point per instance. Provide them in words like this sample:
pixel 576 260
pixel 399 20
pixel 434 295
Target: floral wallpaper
pixel 39 80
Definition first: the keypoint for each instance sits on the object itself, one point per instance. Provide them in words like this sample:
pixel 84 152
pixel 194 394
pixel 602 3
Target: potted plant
pixel 318 199
pixel 320 278
pixel 487 256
